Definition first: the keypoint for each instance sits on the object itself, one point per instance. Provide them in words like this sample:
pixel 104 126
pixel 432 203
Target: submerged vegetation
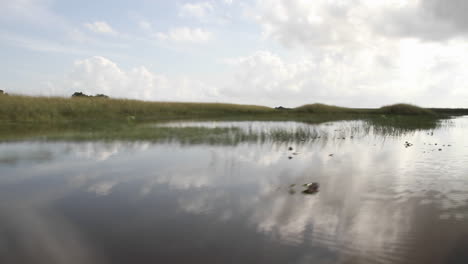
pixel 101 118
pixel 230 135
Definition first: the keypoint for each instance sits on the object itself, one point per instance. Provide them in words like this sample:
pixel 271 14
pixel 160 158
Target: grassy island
pixel 106 118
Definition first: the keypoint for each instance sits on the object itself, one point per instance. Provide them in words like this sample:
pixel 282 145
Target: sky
pixel 357 53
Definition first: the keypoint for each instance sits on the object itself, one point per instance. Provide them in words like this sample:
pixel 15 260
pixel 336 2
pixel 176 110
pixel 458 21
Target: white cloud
pixel 33 11
pixel 197 10
pixel 264 76
pixel 429 20
pixel 100 27
pixel 186 34
pixel 414 73
pixel 145 25
pixel 363 53
pixel 358 22
pixel 268 79
pixel 300 22
pixel 98 75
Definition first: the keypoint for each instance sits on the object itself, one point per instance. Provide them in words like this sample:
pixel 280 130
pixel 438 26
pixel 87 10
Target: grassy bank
pixel 25 108
pixel 54 118
pixel 56 109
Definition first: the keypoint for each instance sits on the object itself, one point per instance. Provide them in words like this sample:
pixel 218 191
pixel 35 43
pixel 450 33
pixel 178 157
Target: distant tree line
pixel 80 94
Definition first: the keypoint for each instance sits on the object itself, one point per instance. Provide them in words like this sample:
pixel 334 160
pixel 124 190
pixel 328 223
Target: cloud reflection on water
pixel 376 202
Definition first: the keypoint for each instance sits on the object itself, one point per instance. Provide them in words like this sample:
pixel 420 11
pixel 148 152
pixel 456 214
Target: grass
pixel 450 111
pixel 405 109
pixel 142 132
pixel 327 109
pixel 15 108
pixel 395 109
pixel 56 118
pixel 53 109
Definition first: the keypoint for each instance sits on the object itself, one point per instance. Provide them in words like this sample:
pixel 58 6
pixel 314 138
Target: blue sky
pixel 360 53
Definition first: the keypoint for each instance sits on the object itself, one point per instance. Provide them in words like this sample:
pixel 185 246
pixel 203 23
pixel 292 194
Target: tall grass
pixel 395 109
pixel 26 108
pixel 323 108
pixel 15 108
pixel 405 109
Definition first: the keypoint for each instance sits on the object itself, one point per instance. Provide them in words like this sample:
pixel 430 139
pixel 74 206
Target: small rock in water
pixel 407 144
pixel 311 188
pixel 440 149
pixel 290 148
pixel 331 155
pixel 289 157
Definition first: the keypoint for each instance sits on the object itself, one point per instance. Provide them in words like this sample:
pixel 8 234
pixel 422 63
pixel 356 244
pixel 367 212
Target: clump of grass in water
pixel 135 132
pixel 300 134
pixel 386 125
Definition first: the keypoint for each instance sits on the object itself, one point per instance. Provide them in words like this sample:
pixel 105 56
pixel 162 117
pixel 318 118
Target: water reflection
pixel 379 202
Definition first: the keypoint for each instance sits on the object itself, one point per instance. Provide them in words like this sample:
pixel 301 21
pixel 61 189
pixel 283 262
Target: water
pixel 139 202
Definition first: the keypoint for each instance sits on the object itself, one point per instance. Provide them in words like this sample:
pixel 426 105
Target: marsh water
pixel 381 200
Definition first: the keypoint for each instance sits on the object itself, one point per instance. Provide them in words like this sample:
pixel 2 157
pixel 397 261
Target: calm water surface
pixel 121 202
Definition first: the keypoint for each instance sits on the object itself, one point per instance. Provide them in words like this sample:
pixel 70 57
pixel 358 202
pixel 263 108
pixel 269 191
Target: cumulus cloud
pixel 99 75
pixel 100 27
pixel 362 80
pixel 429 20
pixel 414 73
pixel 327 23
pixel 186 35
pixel 362 53
pixel 197 10
pixel 298 22
pixel 264 76
pixel 269 79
